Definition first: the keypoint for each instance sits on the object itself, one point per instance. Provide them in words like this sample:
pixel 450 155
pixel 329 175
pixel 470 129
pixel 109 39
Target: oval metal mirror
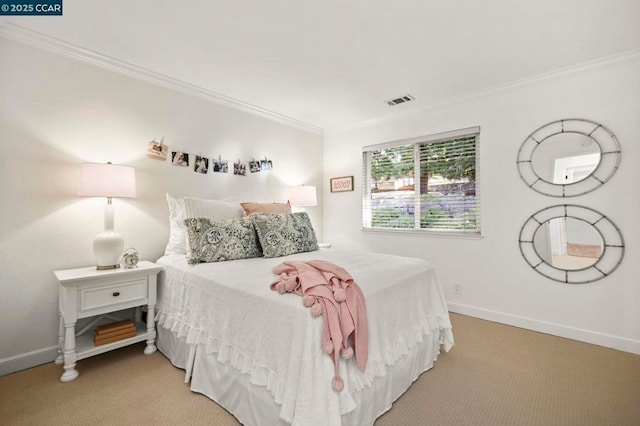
pixel 568 243
pixel 571 244
pixel 568 157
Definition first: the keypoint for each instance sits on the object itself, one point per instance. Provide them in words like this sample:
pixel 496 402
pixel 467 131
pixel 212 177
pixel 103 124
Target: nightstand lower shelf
pixel 85 347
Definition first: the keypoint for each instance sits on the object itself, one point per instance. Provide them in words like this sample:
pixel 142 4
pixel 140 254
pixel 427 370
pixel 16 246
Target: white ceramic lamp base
pixel 108 245
pixel 107 248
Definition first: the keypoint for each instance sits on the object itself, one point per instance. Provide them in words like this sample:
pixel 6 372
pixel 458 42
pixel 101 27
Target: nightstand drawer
pixel 126 294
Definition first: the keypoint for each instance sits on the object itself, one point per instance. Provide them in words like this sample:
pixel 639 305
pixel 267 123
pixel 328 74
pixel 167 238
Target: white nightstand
pixel 87 292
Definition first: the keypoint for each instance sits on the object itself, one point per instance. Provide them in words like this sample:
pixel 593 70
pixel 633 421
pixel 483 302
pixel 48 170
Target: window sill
pixel 425 233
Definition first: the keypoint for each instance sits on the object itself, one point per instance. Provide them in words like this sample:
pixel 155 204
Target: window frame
pixel 416 142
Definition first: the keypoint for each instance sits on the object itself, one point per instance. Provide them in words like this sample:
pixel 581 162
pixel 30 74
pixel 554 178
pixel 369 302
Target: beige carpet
pixel 495 375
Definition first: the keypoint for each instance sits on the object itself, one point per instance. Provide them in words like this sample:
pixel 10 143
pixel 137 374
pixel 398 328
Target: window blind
pixel 429 183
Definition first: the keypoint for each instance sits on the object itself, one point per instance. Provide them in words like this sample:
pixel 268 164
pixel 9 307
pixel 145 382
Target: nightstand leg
pixel 70 372
pixel 151 331
pixel 60 357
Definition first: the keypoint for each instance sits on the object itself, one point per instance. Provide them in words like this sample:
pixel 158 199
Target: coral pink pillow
pixel 266 208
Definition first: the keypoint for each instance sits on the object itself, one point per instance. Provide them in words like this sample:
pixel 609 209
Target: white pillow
pixel 187 207
pixel 211 209
pixel 177 230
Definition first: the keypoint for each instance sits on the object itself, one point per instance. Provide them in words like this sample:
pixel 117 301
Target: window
pixel 428 183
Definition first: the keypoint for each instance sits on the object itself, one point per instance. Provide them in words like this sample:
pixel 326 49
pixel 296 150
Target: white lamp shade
pixel 302 196
pixel 107 180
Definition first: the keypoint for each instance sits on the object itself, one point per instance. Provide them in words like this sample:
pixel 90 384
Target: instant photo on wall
pixel 254 166
pixel 179 158
pixel 239 169
pixel 201 165
pixel 157 150
pixel 220 166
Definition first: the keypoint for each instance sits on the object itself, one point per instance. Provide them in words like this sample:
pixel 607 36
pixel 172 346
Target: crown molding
pixel 32 38
pixel 573 69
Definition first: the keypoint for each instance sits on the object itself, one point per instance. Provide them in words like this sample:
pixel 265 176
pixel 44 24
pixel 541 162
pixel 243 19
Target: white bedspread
pixel 228 309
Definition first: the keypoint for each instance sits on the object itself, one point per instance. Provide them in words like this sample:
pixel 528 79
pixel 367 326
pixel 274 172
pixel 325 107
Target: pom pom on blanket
pixel 290 285
pixel 281 287
pixel 327 347
pixel 347 352
pixel 340 295
pixel 316 309
pixel 337 384
pixel 308 301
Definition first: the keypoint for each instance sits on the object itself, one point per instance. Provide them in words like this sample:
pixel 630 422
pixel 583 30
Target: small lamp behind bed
pixel 107 180
pixel 303 196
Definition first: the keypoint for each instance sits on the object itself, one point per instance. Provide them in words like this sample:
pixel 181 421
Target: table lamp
pixel 107 180
pixel 303 196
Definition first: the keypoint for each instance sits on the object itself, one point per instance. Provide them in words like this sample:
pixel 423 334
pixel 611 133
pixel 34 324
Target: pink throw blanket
pixel 330 291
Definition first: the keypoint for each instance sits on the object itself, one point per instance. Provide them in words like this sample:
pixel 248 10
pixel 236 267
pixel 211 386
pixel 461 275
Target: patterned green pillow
pixel 283 234
pixel 220 240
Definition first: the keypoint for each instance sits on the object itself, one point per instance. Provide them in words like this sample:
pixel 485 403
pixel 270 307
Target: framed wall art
pixel 341 184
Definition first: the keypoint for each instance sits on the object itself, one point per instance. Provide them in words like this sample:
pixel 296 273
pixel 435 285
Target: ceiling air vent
pixel 400 100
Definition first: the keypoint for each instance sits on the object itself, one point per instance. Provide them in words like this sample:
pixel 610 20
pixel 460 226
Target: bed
pixel 257 353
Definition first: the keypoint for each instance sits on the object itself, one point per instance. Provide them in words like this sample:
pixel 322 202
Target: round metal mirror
pixel 568 157
pixel 567 243
pixel 571 244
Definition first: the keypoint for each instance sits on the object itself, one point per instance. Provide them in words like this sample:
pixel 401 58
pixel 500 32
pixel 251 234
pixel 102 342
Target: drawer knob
pixel 116 293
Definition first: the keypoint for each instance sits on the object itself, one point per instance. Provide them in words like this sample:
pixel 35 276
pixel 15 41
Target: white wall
pixel 496 282
pixel 56 113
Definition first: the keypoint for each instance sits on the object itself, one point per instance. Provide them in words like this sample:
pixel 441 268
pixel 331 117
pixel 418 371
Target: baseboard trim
pixel 28 360
pixel 600 339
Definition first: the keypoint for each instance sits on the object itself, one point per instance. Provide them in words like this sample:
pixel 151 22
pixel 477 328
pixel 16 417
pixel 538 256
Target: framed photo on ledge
pixel 341 184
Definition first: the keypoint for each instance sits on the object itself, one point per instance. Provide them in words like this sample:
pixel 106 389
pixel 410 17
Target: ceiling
pixel 332 64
